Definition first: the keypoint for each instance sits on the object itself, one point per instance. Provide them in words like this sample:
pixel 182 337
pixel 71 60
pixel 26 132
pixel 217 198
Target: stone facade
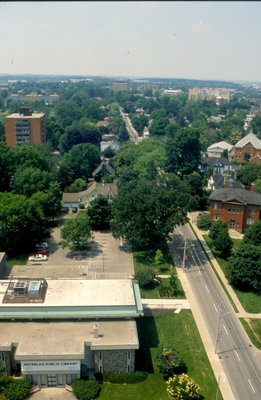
pixel 117 361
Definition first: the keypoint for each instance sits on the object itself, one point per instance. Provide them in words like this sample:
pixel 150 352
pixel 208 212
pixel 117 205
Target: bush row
pixel 130 377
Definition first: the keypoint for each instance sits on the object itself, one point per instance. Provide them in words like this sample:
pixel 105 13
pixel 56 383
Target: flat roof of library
pixel 65 340
pixel 76 292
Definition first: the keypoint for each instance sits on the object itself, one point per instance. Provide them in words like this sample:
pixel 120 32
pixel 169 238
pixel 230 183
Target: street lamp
pixel 184 254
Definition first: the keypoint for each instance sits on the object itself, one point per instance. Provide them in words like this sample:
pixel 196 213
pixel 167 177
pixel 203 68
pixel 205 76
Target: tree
pixel 6 166
pixel 158 126
pixel 28 181
pixel 79 162
pixel 244 268
pixel 249 173
pixel 256 125
pixel 99 212
pixel 76 233
pixel 223 243
pixel 183 152
pixel 253 234
pixel 146 211
pixel 168 361
pixel 123 133
pixel 145 277
pixel 22 223
pixel 77 186
pixel 215 228
pixel 258 186
pixel 30 156
pixel 159 259
pixel 173 282
pixel 204 222
pixel 181 387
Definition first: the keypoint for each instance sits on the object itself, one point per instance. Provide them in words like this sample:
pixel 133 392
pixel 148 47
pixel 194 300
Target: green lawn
pixel 22 260
pixel 180 331
pixel 253 329
pixel 145 259
pixel 250 301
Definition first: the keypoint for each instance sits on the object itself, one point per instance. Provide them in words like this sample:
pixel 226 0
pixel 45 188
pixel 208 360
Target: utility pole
pixel 218 387
pixel 185 249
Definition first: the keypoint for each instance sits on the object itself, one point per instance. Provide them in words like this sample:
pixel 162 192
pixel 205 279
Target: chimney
pixel 225 182
pixel 252 188
pixel 96 331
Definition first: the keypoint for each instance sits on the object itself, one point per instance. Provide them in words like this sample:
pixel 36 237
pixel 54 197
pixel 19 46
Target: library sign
pixel 48 366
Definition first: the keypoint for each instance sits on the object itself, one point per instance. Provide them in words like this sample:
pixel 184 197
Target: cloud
pixel 200 26
pixel 147 4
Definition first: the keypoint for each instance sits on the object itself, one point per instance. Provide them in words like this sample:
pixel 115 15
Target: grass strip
pixel 253 329
pixel 215 271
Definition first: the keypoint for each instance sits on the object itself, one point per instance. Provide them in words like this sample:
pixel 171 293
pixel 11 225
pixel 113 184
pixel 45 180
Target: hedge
pixel 17 389
pixel 129 377
pixel 85 390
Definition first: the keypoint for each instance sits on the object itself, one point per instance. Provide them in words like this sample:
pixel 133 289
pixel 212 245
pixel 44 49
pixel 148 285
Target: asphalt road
pixel 240 360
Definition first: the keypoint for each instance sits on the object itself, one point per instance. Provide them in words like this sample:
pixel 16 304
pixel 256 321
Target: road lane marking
pixel 249 381
pixel 237 355
pixel 207 288
pixel 215 307
pixel 225 329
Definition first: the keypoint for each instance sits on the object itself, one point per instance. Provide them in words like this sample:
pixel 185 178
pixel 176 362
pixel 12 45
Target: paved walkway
pixel 234 234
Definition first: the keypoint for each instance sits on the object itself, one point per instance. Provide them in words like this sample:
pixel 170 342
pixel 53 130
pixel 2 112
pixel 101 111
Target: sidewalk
pixel 241 311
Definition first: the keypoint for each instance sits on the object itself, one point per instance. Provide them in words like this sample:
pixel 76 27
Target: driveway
pixel 108 258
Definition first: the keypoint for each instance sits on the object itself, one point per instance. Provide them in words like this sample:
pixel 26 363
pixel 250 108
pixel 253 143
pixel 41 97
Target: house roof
pixel 220 145
pixel 240 195
pixel 250 138
pixel 213 161
pixel 219 181
pixel 71 197
pixel 107 166
pixel 103 188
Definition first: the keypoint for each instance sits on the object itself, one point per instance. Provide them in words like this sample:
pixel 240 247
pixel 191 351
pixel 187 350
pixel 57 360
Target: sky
pixel 174 39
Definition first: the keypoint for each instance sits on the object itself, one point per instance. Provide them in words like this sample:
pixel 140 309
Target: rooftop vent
pixel 96 331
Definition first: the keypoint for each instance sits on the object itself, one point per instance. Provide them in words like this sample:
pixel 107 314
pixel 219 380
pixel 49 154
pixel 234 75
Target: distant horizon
pixel 123 77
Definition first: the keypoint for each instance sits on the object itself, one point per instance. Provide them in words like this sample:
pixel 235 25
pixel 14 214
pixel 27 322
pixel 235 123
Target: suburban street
pixel 134 137
pixel 241 362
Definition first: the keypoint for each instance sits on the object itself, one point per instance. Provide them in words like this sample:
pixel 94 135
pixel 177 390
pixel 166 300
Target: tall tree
pixel 253 234
pixel 183 152
pixel 99 212
pixel 146 211
pixel 76 233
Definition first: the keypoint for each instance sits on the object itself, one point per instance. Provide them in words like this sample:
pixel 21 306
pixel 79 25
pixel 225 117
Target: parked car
pixel 74 209
pixel 201 214
pixel 38 257
pixel 43 245
pixel 42 251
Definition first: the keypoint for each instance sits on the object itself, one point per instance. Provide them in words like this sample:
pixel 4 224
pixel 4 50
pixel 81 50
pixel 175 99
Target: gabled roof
pixel 213 161
pixel 250 138
pixel 71 197
pixel 240 195
pixel 103 188
pixel 219 181
pixel 107 166
pixel 221 145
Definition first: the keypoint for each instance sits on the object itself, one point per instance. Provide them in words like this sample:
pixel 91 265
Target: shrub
pixel 130 377
pixel 168 361
pixel 81 206
pixel 85 390
pixel 181 387
pixel 17 389
pixel 204 222
pixel 215 228
pixel 166 291
pixel 145 277
pixel 223 243
pixel 159 259
pixel 173 281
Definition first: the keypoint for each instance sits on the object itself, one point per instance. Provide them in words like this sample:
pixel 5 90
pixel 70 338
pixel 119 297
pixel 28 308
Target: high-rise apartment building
pixel 25 128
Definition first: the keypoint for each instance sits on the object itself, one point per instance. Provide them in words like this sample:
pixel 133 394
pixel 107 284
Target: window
pixel 249 210
pixel 233 210
pixel 253 210
pixel 229 209
pixel 217 206
pixel 238 210
pixel 250 221
pixel 216 217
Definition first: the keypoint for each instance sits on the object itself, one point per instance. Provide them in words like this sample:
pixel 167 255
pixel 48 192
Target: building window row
pixel 217 206
pixel 216 217
pixel 251 211
pixel 233 210
pixel 250 221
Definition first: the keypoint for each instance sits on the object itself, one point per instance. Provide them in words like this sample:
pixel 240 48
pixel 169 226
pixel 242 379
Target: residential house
pixel 218 164
pixel 216 149
pixel 220 181
pixel 248 148
pixel 239 208
pixel 102 170
pixel 95 189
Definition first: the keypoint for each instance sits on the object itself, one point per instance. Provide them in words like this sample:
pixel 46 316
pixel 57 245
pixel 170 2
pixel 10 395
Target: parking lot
pixel 108 258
